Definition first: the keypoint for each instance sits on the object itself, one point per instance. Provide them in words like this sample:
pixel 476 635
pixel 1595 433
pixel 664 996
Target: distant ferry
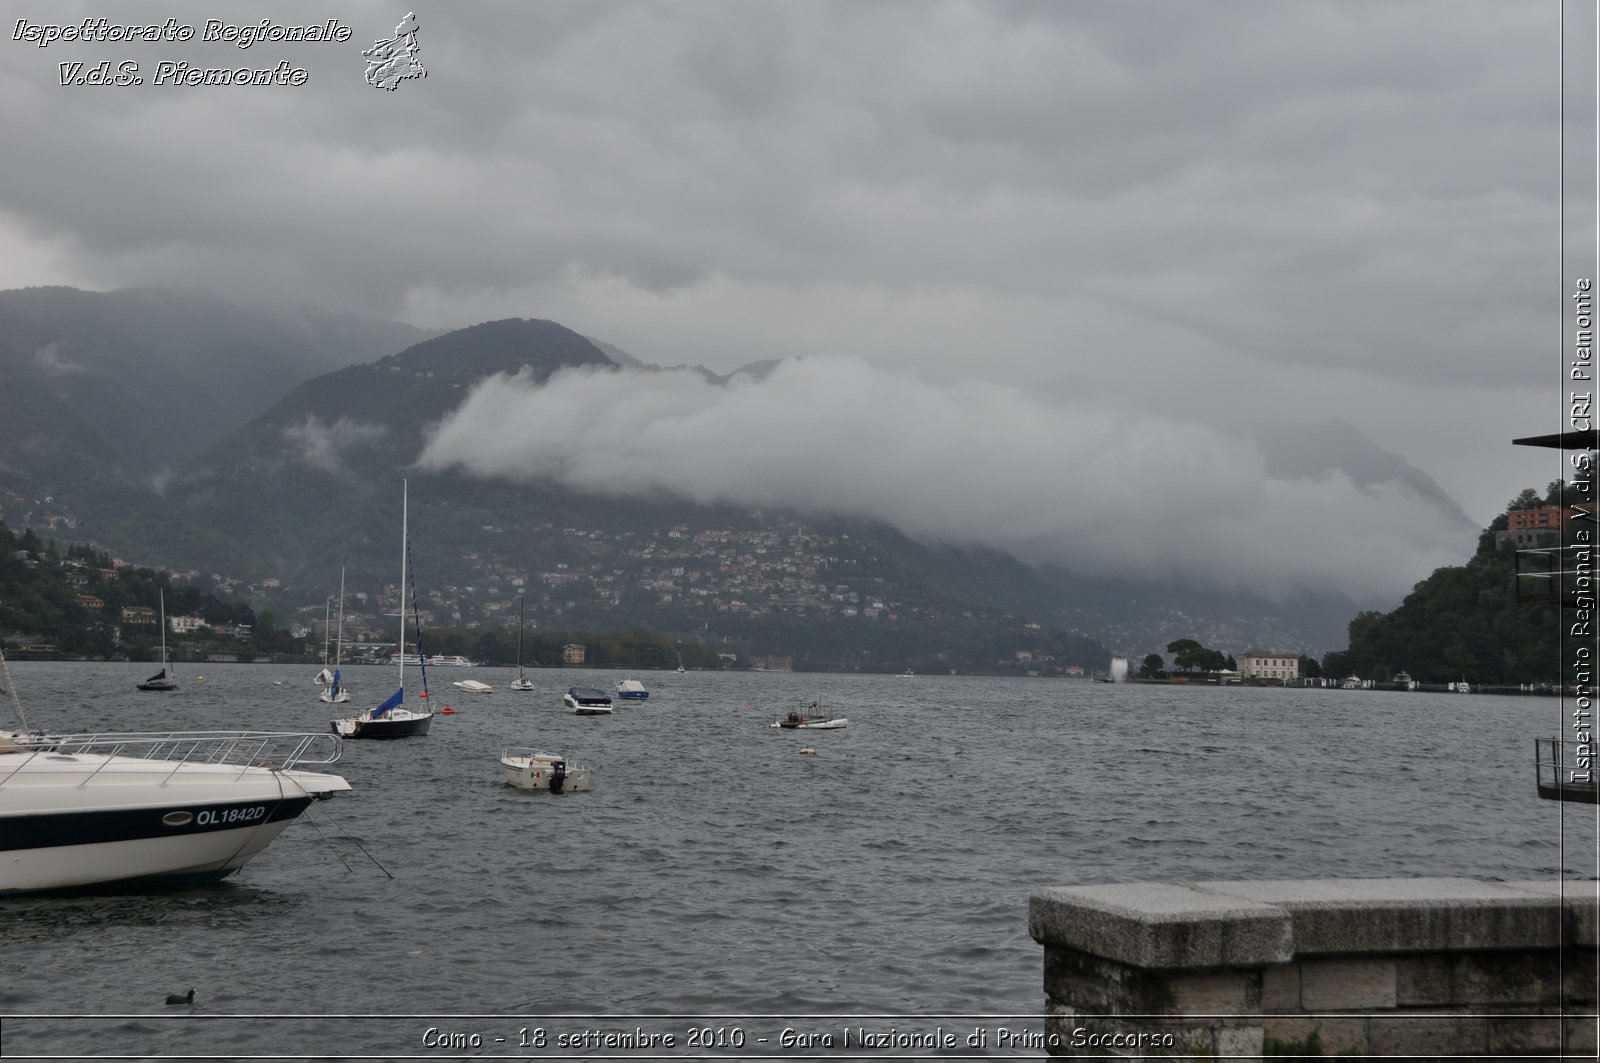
pixel 437 660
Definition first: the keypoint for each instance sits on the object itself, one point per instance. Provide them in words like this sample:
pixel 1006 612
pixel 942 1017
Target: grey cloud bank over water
pixel 968 463
pixel 1051 266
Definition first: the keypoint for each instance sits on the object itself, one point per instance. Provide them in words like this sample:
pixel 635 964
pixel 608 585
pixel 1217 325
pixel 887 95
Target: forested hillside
pixel 1462 622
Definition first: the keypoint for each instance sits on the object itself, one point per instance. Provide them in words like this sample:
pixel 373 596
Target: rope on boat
pixel 312 820
pixel 11 688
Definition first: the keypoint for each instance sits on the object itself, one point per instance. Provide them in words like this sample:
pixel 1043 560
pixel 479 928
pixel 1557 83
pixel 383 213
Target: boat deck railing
pixel 1566 770
pixel 281 750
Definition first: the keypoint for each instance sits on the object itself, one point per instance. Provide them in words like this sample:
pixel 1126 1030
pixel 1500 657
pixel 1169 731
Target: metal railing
pixel 279 750
pixel 1565 770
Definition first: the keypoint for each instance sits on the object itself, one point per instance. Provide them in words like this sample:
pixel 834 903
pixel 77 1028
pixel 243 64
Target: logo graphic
pixel 391 61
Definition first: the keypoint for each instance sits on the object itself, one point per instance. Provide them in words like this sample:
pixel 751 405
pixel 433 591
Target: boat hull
pixel 811 725
pixel 144 861
pixel 408 725
pixel 89 822
pixel 522 684
pixel 544 772
pixel 587 701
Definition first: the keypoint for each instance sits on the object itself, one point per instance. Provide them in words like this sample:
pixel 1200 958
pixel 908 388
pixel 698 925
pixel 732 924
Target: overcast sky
pixel 1100 231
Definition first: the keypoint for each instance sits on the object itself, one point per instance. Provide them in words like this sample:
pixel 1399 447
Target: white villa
pixel 1269 664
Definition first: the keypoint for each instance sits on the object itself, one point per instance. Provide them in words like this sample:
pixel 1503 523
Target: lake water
pixel 712 870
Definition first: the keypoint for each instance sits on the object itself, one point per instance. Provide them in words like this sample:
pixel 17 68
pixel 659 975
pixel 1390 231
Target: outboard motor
pixel 558 776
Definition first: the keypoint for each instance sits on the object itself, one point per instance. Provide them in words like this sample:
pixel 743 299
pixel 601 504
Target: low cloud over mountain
pixel 1099 490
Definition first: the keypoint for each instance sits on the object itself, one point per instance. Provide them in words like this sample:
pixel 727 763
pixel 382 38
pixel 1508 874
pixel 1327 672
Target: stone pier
pixel 1376 967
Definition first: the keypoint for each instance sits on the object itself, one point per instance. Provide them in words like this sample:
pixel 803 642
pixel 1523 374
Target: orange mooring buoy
pixel 447 711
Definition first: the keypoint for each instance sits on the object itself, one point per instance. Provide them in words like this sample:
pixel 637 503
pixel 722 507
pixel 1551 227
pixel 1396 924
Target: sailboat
pixel 522 682
pixel 161 680
pixel 334 692
pixel 390 719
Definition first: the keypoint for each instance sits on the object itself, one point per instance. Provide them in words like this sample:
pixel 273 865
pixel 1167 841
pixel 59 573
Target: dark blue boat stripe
pixel 44 831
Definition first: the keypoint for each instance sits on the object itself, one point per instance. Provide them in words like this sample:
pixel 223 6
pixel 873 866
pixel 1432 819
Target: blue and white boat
pixel 632 689
pixel 391 719
pixel 333 691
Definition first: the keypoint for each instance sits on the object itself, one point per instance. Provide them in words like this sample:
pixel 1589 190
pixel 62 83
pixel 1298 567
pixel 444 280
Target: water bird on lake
pixel 181 998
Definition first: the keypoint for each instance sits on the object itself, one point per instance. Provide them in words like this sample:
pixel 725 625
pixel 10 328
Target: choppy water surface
pixel 712 869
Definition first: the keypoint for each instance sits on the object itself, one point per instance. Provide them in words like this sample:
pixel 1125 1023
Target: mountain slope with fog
pixel 530 448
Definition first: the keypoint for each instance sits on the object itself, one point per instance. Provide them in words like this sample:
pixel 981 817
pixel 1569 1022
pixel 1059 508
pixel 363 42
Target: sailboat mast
pixel 161 597
pixel 338 652
pixel 404 541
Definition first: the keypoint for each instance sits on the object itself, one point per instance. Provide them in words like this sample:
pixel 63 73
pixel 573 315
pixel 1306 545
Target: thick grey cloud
pixel 1096 489
pixel 1222 212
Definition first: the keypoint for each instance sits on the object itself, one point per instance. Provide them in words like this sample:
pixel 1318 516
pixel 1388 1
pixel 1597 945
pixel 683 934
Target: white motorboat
pixel 817 721
pixel 96 810
pixel 391 719
pixel 472 686
pixel 531 769
pixel 632 689
pixel 522 682
pixel 587 701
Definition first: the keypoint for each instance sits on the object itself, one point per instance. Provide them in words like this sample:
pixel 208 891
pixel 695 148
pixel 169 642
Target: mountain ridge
pixel 307 484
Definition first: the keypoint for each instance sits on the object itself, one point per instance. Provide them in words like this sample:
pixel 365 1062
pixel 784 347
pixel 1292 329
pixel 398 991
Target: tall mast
pixel 403 543
pixel 339 650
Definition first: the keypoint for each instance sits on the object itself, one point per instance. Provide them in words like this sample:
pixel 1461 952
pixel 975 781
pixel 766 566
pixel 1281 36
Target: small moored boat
pixel 817 721
pixel 334 691
pixel 472 686
pixel 531 769
pixel 587 701
pixel 522 682
pixel 162 680
pixel 391 719
pixel 632 689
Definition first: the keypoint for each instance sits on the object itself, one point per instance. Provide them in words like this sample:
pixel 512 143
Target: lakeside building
pixel 1268 664
pixel 1542 518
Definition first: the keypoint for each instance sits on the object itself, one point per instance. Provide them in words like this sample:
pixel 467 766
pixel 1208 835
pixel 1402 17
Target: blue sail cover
pixel 335 684
pixel 394 699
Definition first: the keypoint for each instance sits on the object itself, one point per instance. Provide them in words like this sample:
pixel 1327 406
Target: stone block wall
pixel 1376 967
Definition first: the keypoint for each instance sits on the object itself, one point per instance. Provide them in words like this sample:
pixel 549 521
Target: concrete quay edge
pixel 1230 924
